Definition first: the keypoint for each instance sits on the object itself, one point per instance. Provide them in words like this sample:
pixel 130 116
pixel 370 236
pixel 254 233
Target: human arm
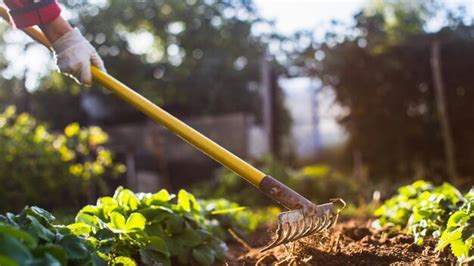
pixel 74 54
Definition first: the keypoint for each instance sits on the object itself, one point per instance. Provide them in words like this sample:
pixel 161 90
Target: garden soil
pixel 352 242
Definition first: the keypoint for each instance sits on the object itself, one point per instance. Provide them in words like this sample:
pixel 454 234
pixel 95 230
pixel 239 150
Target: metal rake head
pixel 296 224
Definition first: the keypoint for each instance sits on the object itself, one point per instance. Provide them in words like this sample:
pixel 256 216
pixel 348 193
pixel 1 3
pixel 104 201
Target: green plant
pixel 321 182
pixel 67 167
pixel 316 182
pixel 150 229
pixel 30 238
pixel 432 210
pixel 459 233
pixel 398 209
pixel 440 212
pixel 231 215
pixel 227 184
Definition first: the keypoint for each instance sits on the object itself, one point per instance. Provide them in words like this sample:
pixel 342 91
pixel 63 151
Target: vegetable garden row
pixel 136 228
pixel 126 229
pixel 141 228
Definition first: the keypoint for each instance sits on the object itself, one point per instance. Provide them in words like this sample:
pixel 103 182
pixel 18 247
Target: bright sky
pixel 291 15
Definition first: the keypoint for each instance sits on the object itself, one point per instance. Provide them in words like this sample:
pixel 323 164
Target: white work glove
pixel 74 56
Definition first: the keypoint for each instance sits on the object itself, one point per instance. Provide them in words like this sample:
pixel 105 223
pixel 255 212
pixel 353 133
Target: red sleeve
pixel 26 13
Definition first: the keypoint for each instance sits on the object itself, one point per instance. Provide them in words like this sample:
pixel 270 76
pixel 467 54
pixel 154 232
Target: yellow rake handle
pixel 207 146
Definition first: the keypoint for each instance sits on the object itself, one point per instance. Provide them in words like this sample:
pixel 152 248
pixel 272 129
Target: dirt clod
pixel 351 242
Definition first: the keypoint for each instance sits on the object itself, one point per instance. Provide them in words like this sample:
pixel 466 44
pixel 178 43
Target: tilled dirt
pixel 352 242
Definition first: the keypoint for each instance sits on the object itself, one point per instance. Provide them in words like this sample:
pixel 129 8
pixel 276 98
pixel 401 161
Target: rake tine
pixel 280 233
pixel 300 226
pixel 292 232
pixel 321 222
pixel 327 223
pixel 299 223
pixel 315 222
pixel 284 238
pixel 310 227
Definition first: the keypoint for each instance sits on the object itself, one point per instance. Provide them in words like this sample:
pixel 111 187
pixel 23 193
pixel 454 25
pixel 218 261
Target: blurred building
pixel 314 116
pixel 157 158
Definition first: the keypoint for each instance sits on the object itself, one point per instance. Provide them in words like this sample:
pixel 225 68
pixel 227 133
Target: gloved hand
pixel 74 56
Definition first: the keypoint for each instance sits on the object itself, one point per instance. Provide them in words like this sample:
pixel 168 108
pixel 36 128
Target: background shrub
pixel 318 183
pixel 50 170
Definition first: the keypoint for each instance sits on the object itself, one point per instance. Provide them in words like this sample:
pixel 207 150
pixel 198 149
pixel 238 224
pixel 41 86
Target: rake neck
pixel 283 194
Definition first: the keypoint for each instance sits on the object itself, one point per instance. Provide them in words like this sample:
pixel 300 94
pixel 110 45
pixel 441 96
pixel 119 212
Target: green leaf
pixel 106 201
pixel 74 247
pixel 80 229
pixel 27 239
pixel 204 255
pixel 54 250
pixel 151 257
pixel 90 209
pixel 156 213
pixel 460 248
pixel 105 234
pixel 123 261
pixel 184 200
pixel 35 228
pixel 39 212
pixel 135 222
pixel 47 259
pixel 155 229
pixel 98 261
pixel 160 197
pixel 87 219
pixel 12 248
pixel 175 224
pixel 457 219
pixel 11 218
pixel 187 201
pixel 190 237
pixel 157 244
pixel 229 210
pixel 117 221
pixel 126 198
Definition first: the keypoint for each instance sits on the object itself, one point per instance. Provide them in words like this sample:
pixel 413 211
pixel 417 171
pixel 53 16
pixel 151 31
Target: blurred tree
pixel 192 57
pixel 195 57
pixel 381 73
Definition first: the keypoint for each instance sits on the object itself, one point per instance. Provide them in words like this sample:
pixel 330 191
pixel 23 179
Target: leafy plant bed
pixel 352 242
pixel 126 229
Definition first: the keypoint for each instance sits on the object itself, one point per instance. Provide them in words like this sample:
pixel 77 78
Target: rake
pixel 303 218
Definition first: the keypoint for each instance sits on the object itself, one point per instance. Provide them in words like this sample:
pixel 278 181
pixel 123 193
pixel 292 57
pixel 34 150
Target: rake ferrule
pixel 282 194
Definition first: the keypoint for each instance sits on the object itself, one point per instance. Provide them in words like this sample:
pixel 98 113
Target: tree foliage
pixel 381 74
pixel 195 57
